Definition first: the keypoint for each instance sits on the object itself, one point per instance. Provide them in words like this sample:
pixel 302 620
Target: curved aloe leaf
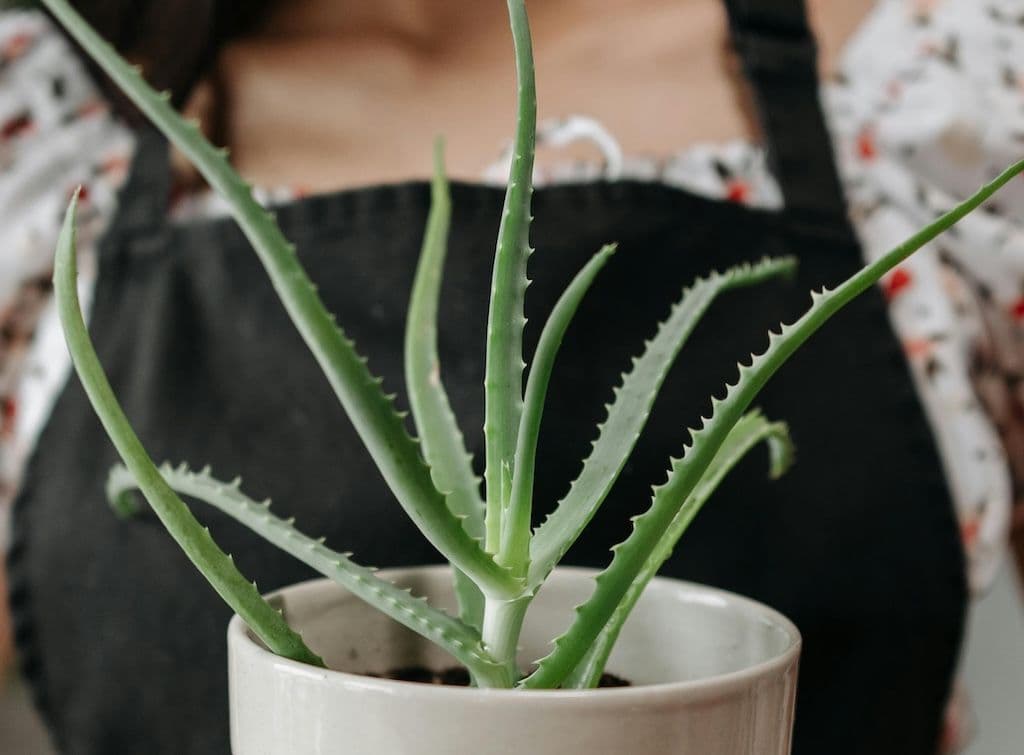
pixel 371 411
pixel 194 539
pixel 515 545
pixel 443 445
pixel 503 378
pixel 685 473
pixel 751 430
pixel 415 613
pixel 628 413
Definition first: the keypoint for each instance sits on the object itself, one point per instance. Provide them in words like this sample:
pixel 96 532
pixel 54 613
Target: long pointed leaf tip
pixel 194 539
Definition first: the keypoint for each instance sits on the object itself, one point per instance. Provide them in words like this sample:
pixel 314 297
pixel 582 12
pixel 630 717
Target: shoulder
pixel 929 104
pixel 56 132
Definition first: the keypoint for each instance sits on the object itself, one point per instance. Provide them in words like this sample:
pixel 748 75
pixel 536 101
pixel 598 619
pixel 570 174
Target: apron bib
pixel 123 640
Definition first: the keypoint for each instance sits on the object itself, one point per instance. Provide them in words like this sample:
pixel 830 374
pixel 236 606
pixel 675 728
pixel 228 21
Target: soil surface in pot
pixel 456 676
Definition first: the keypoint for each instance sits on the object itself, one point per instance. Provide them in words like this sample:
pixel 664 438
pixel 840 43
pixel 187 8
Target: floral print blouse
pixel 928 104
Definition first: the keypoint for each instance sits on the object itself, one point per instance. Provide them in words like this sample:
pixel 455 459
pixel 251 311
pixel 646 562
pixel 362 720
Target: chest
pixel 329 110
pixel 334 111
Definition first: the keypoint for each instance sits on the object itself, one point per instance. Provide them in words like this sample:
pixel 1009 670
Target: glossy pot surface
pixel 712 673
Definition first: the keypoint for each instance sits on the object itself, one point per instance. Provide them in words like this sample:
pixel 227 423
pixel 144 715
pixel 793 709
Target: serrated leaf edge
pixel 411 611
pixel 752 430
pixel 371 411
pixel 627 414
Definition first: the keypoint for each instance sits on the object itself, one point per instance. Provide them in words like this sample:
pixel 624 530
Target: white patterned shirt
pixel 929 104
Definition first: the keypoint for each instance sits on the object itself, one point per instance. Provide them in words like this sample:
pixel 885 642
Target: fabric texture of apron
pixel 123 641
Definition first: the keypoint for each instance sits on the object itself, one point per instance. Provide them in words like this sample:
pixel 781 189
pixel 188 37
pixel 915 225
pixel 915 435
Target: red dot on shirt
pixel 17 45
pixel 969 531
pixel 91 108
pixel 16 126
pixel 1017 309
pixel 83 193
pixel 7 411
pixel 897 282
pixel 917 347
pixel 866 147
pixel 737 191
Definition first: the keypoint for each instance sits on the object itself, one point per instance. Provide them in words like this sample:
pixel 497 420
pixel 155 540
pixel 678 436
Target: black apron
pixel 123 640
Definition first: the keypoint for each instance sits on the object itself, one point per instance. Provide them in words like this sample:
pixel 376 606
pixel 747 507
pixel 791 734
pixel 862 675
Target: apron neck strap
pixel 779 56
pixel 145 197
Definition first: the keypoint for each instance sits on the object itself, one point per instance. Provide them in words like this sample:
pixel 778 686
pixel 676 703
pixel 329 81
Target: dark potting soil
pixel 457 676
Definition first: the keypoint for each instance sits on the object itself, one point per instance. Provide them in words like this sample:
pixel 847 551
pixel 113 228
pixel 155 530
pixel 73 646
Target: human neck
pixel 429 23
pixel 413 20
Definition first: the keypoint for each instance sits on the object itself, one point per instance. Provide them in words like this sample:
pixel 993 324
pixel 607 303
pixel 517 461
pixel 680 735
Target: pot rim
pixel 242 641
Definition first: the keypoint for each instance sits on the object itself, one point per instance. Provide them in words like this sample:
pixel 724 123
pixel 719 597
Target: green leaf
pixel 503 379
pixel 751 430
pixel 194 539
pixel 629 557
pixel 371 411
pixel 515 548
pixel 629 411
pixel 458 639
pixel 443 445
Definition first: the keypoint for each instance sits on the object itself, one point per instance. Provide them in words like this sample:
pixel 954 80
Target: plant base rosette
pixel 712 673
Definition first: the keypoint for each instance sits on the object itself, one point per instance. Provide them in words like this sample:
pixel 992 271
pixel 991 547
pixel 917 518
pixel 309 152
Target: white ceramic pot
pixel 713 674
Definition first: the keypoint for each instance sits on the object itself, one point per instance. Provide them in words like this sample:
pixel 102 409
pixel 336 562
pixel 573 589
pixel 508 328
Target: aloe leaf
pixel 750 431
pixel 371 411
pixel 450 464
pixel 628 413
pixel 458 639
pixel 503 378
pixel 192 537
pixel 629 557
pixel 515 548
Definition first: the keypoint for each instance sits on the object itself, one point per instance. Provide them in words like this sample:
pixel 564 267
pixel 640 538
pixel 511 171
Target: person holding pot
pixel 691 131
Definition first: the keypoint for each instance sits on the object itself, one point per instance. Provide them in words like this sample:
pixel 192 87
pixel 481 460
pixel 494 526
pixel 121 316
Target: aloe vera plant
pixel 500 562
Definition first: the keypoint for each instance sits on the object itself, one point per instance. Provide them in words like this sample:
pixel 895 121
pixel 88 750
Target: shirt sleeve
pixel 929 105
pixel 56 133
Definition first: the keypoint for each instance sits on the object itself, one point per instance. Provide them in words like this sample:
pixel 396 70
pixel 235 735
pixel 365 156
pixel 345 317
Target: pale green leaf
pixel 515 545
pixel 460 640
pixel 193 538
pixel 648 528
pixel 450 464
pixel 503 378
pixel 371 411
pixel 751 430
pixel 629 411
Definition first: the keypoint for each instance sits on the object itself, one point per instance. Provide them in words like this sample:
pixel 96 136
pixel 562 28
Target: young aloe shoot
pixel 499 561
